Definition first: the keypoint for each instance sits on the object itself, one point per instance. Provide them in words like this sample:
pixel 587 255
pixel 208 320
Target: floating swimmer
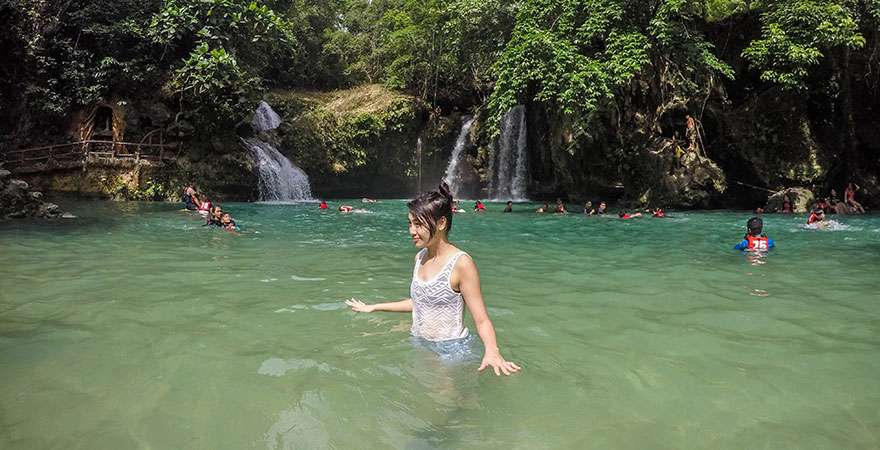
pixel 625 215
pixel 227 223
pixel 323 205
pixel 659 213
pixel 755 240
pixel 437 305
pixel 346 209
pixel 816 216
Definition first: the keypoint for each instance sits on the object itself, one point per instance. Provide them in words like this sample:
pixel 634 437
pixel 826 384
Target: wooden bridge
pixel 82 153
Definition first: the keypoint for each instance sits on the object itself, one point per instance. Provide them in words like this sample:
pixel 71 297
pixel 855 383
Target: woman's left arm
pixel 469 286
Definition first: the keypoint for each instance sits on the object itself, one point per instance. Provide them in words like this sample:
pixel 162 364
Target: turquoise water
pixel 134 327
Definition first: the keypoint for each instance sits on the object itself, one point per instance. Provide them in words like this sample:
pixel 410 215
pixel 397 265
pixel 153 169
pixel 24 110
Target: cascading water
pixel 279 179
pixel 508 165
pixel 453 172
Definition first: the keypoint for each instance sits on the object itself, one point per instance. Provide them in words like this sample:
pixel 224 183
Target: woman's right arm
pixel 401 306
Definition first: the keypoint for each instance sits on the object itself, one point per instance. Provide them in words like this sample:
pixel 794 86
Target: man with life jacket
pixel 754 240
pixel 323 205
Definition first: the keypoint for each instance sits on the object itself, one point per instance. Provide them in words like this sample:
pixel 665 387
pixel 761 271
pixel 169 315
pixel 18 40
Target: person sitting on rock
pixel 850 195
pixel 755 240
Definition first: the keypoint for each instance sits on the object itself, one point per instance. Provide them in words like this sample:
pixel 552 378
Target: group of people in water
pixel 756 240
pixel 214 215
pixel 561 208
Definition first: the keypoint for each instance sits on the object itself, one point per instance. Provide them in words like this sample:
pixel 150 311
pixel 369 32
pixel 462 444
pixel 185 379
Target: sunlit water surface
pixel 133 327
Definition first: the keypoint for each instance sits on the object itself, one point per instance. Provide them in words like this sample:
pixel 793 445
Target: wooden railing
pixel 73 153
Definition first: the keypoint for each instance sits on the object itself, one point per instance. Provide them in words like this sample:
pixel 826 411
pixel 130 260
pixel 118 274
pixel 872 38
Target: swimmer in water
pixel 601 210
pixel 215 218
pixel 227 223
pixel 817 216
pixel 625 215
pixel 560 207
pixel 659 213
pixel 755 240
pixel 543 209
pixel 323 205
pixel 479 206
pixel 345 209
pixel 588 209
pixel 456 209
pixel 509 207
pixel 453 283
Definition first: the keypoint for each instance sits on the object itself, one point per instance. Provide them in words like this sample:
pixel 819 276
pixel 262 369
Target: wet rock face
pixel 801 200
pixel 17 200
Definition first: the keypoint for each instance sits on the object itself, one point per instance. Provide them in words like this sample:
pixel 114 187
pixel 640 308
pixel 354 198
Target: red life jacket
pixel 323 205
pixel 758 242
pixel 813 218
pixel 660 214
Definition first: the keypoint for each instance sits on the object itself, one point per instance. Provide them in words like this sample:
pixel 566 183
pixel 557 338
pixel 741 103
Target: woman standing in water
pixel 444 280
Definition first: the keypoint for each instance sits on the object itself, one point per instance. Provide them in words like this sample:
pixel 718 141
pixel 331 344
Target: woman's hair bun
pixel 443 189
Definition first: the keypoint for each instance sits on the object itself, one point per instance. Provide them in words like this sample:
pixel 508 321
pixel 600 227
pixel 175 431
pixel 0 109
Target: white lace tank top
pixel 437 309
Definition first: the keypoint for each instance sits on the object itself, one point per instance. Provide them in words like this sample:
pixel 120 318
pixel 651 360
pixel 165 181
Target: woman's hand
pixel 359 306
pixel 498 363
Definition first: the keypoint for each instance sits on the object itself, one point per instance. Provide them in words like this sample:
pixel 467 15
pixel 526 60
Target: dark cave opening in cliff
pixel 103 122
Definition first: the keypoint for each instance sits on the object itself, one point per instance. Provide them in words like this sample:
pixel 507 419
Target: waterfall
pixel 453 173
pixel 278 178
pixel 508 164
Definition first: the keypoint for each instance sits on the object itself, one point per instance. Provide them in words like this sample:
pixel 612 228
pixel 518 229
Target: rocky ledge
pixel 18 200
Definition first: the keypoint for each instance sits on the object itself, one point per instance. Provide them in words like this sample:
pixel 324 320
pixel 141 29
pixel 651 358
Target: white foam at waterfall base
pixel 265 118
pixel 508 165
pixel 453 171
pixel 279 179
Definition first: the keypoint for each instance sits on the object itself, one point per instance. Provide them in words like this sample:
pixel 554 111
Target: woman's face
pixel 418 231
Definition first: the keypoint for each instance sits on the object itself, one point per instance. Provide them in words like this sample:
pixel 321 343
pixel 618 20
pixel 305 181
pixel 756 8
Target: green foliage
pixel 227 44
pixel 59 55
pixel 578 54
pixel 797 34
pixel 332 132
